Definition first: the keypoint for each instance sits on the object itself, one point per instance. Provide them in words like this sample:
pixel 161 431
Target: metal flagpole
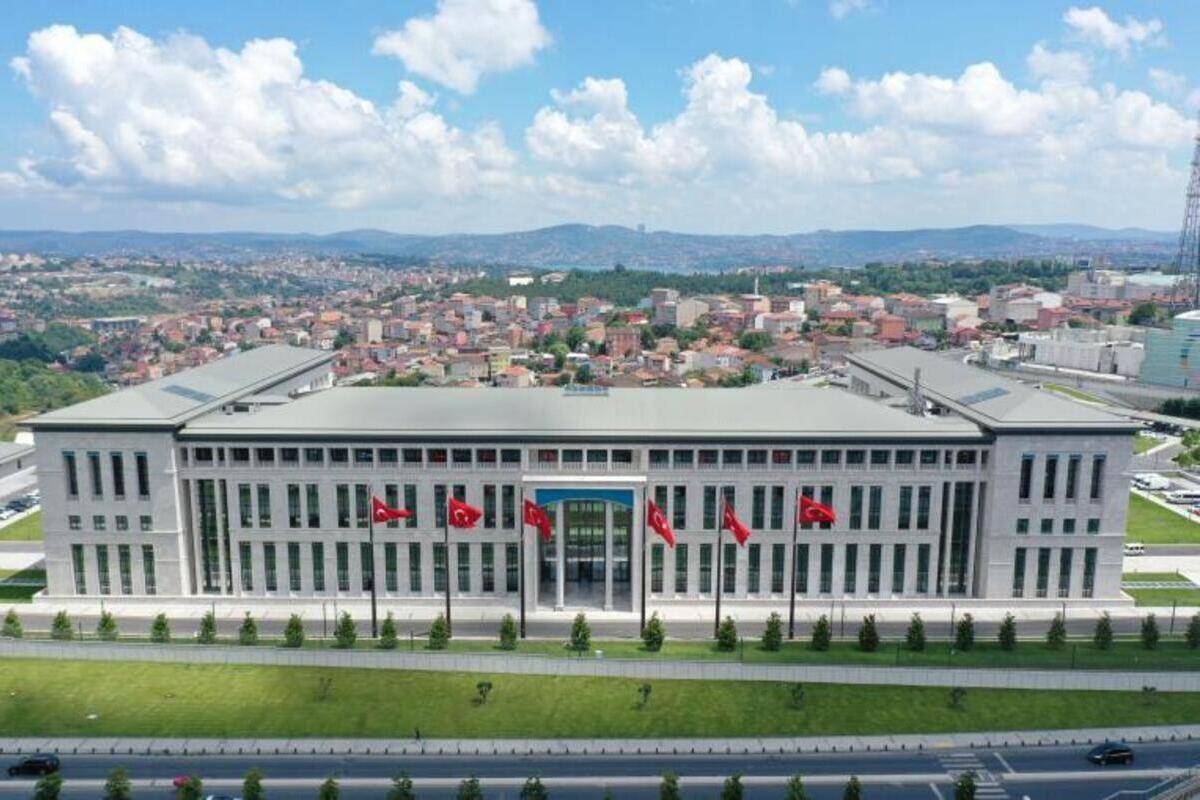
pixel 371 537
pixel 720 527
pixel 795 547
pixel 645 509
pixel 446 560
pixel 521 561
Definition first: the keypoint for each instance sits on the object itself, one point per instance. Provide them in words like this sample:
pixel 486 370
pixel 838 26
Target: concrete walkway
pixel 639 669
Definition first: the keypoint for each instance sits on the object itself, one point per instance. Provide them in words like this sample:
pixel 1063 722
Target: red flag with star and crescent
pixel 657 520
pixel 382 512
pixel 536 516
pixel 812 511
pixel 462 515
pixel 731 523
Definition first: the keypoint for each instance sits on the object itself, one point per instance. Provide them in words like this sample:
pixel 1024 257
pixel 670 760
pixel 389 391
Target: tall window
pixel 922 569
pixel 125 568
pixel 414 566
pixel 856 507
pixel 142 465
pixel 1064 572
pixel 118 471
pixel 391 496
pixel 801 569
pixel 512 567
pixel 318 566
pixel 245 506
pixel 1051 478
pixel 264 505
pixel 924 496
pixel 366 562
pixel 343 505
pixel 71 473
pixel 293 501
pixel 776 508
pixel 1018 582
pixel 758 508
pixel 729 568
pixel 487 564
pixel 681 568
pixel 1097 484
pixel 439 567
pixel 1043 571
pixel 899 555
pixel 1072 487
pixel 875 508
pixel 777 554
pixel 826 586
pixel 1089 571
pixel 851 582
pixel 706 568
pixel 656 568
pixel 294 566
pixel 362 504
pixel 905 517
pixel 679 508
pixel 102 567
pixel 489 505
pixel 94 474
pixel 464 567
pixel 753 568
pixel 148 573
pixel 391 580
pixel 508 506
pixel 874 567
pixel 439 506
pixel 343 566
pixel 1026 480
pixel 710 508
pixel 312 499
pixel 272 579
pixel 410 504
pixel 246 559
pixel 78 567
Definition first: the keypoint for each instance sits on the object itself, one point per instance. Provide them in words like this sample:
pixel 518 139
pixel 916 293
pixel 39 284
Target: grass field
pixel 1072 392
pixel 28 529
pixel 56 698
pixel 1171 577
pixel 1165 597
pixel 1143 443
pixel 20 593
pixel 1150 523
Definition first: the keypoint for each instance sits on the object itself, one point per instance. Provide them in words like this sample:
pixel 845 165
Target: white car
pixel 1135 549
pixel 7 513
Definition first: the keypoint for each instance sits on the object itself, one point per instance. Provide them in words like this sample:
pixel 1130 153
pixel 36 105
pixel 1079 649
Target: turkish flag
pixel 812 511
pixel 536 516
pixel 462 515
pixel 656 519
pixel 382 512
pixel 731 523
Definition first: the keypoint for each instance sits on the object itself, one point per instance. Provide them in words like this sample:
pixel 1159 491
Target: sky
pixel 705 116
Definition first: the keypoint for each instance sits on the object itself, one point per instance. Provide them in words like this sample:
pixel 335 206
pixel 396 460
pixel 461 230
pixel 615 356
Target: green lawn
pixel 28 529
pixel 1072 392
pixel 1173 577
pixel 1165 597
pixel 21 593
pixel 1150 523
pixel 1143 443
pixel 56 698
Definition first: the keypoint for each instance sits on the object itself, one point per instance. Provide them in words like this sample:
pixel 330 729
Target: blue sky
pixel 487 115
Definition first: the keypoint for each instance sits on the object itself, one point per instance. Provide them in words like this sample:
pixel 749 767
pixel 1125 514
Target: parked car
pixel 6 513
pixel 1111 753
pixel 40 764
pixel 1135 549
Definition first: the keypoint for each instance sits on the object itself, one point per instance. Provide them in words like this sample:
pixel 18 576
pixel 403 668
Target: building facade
pixel 249 478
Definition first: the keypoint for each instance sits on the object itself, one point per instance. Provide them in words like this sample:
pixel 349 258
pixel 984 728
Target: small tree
pixel 727 635
pixel 733 788
pixel 402 788
pixel 106 628
pixel 581 634
pixel 12 625
pixel 1103 636
pixel 439 633
pixel 797 694
pixel 252 788
pixel 534 790
pixel 957 695
pixel 1056 636
pixel 482 690
pixel 964 787
pixel 964 633
pixel 387 633
pixel 118 787
pixel 644 695
pixel 160 630
pixel 1149 632
pixel 1149 694
pixel 795 789
pixel 822 634
pixel 208 629
pixel 868 635
pixel 469 790
pixel 293 634
pixel 48 787
pixel 654 634
pixel 668 788
pixel 191 789
pixel 772 638
pixel 248 634
pixel 914 637
pixel 329 790
pixel 853 789
pixel 508 633
pixel 345 633
pixel 1007 635
pixel 60 628
pixel 1191 635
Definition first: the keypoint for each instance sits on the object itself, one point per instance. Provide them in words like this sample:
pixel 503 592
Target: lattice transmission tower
pixel 1187 261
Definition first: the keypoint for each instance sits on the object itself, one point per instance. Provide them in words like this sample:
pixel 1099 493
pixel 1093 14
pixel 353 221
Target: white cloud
pixel 176 118
pixel 1060 66
pixel 1095 26
pixel 467 39
pixel 840 9
pixel 833 80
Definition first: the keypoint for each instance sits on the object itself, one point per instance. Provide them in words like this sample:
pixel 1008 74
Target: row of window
pixel 1050 489
pixel 100 522
pixel 1044 556
pixel 1046 525
pixel 116 474
pixel 125 567
pixel 364 456
pixel 854 458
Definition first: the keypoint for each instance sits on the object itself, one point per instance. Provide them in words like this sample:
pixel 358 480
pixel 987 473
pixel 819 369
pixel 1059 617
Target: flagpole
pixel 720 527
pixel 446 528
pixel 645 497
pixel 521 560
pixel 371 537
pixel 795 536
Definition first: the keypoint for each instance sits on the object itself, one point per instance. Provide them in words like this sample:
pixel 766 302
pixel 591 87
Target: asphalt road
pixel 1038 773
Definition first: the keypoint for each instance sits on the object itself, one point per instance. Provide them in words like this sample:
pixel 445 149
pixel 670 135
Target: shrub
pixel 1192 634
pixel 252 788
pixel 1007 634
pixel 914 638
pixel 208 629
pixel 248 634
pixel 345 633
pixel 402 788
pixel 822 634
pixel 964 633
pixel 668 788
pixel 469 790
pixel 508 633
pixel 868 635
pixel 387 633
pixel 439 633
pixel 853 789
pixel 795 789
pixel 1056 636
pixel 957 695
pixel 106 628
pixel 797 692
pixel 329 790
pixel 727 635
pixel 654 634
pixel 1149 632
pixel 191 789
pixel 1103 635
pixel 644 694
pixel 733 788
pixel 772 638
pixel 581 633
pixel 117 786
pixel 48 787
pixel 12 625
pixel 482 690
pixel 60 628
pixel 160 630
pixel 293 634
pixel 534 790
pixel 964 787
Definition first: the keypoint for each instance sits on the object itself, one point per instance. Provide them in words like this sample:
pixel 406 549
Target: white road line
pixel 936 791
pixel 1003 763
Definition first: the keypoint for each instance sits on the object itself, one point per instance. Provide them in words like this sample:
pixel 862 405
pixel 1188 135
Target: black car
pixel 41 764
pixel 1111 753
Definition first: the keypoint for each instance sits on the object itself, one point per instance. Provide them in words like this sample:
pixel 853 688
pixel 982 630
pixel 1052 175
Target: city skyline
pixel 788 117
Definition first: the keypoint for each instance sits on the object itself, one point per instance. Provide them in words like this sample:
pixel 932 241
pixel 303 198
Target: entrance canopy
pixel 621 497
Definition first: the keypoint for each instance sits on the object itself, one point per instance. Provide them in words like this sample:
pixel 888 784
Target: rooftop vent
pixel 190 394
pixel 986 394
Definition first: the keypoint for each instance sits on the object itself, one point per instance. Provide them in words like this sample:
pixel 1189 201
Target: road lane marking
pixel 1003 763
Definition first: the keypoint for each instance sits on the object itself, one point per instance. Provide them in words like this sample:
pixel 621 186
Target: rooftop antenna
pixel 1187 262
pixel 916 398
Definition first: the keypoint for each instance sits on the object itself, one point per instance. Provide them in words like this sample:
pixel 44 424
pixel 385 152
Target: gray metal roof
pixel 177 398
pixel 993 401
pixel 351 412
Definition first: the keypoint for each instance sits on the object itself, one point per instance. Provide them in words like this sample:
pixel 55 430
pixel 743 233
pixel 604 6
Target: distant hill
pixel 602 246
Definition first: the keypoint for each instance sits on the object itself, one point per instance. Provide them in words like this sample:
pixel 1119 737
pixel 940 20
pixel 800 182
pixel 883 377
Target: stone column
pixel 560 566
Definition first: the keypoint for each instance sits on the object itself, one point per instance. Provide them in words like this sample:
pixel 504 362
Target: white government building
pixel 251 477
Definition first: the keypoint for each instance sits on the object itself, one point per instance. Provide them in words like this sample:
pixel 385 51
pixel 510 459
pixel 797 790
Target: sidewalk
pixel 639 669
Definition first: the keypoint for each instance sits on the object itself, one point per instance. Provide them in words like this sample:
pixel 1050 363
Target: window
pixel 899 555
pixel 78 567
pixel 827 500
pixel 102 568
pixel 339 456
pixel 389 456
pixel 1043 571
pixel 148 573
pixel 99 522
pixel 776 508
pixel 801 569
pixel 265 456
pixel 826 586
pixel 366 563
pixel 679 508
pixel 439 505
pixel 71 475
pixel 1068 526
pixel 660 498
pixel 343 505
pixel 777 555
pixel 125 568
pixel 314 455
pixel 705 568
pixel 729 569
pixel 851 577
pixel 362 505
pixel 1026 478
pixel 855 459
pixel 1097 484
pixel 731 458
pixel 547 457
pixel 781 459
pixel 264 505
pixel 874 508
pixel 681 568
pixel 461 456
pixel 94 474
pixel 489 505
pixel 343 566
pixel 924 496
pixel 412 456
pixel 806 459
pixel 487 562
pixel 318 566
pixel 414 566
pixel 1093 526
pixel 391 496
pixel 856 507
pixel 410 504
pixel 118 471
pixel 1047 526
pixel 1072 477
pixel 391 582
pixel 905 458
pixel 294 566
pixel 904 519
pixel 289 456
pixel 929 459
pixel 880 458
pixel 73 522
pixel 710 508
pixel 312 499
pixel 1089 571
pixel 1064 572
pixel 122 522
pixel 1022 525
pixel 508 506
pixel 707 459
pixel 272 582
pixel 656 568
pixel 246 562
pixel 756 459
pixel 660 459
pixel 622 458
pixel 464 567
pixel 486 457
pixel 145 523
pixel 874 566
pixel 1051 478
pixel 1018 582
pixel 512 568
pixel 245 506
pixel 203 455
pixel 758 508
pixel 293 501
pixel 923 568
